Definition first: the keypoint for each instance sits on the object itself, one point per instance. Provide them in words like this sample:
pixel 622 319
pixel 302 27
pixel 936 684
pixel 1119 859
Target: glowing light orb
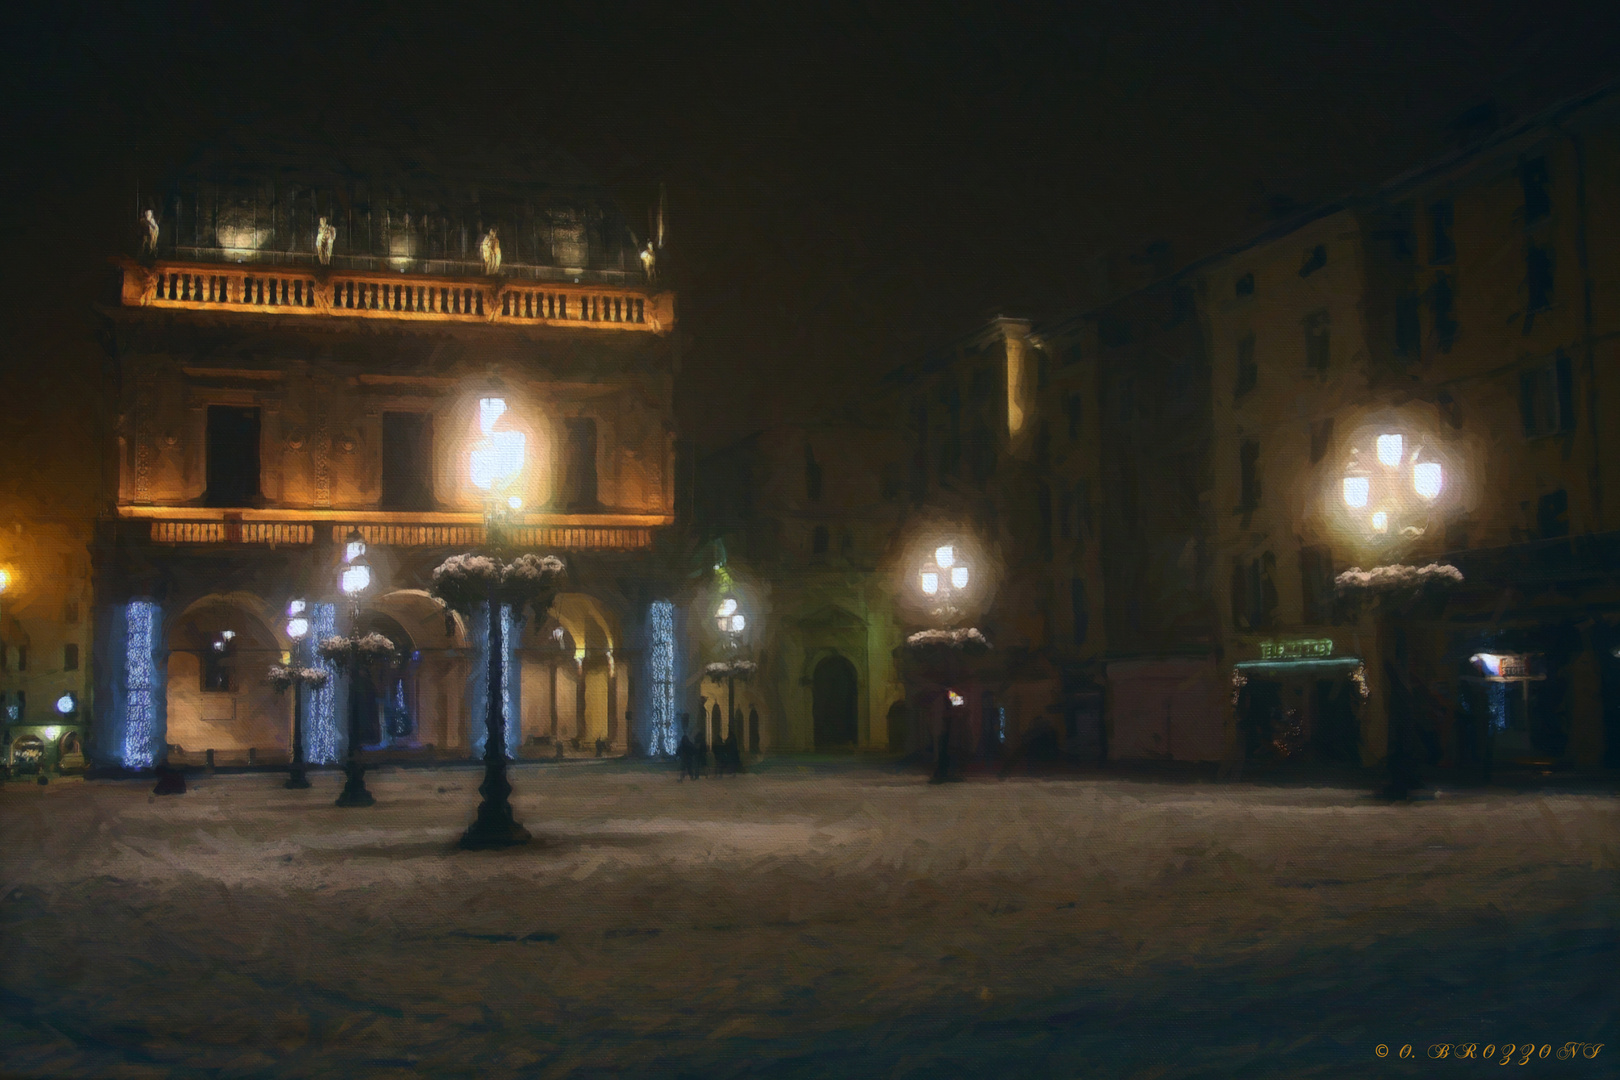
pixel 956 699
pixel 959 577
pixel 930 582
pixel 498 457
pixel 297 628
pixel 1389 449
pixel 1427 479
pixel 945 556
pixel 356 579
pixel 1380 522
pixel 65 704
pixel 1356 490
pixel 514 503
pixel 728 606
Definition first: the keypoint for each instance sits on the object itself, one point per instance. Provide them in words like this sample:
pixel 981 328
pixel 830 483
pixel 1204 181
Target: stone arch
pixel 432 679
pixel 218 696
pixel 835 708
pixel 574 683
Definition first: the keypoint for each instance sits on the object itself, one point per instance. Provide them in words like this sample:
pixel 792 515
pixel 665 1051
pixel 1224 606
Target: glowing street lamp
pixel 495 464
pixel 297 630
pixel 1393 495
pixel 731 622
pixel 354 578
pixel 944 580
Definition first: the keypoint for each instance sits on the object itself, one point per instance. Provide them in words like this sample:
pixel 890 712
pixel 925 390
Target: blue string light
pixel 661 617
pixel 320 727
pixel 140 701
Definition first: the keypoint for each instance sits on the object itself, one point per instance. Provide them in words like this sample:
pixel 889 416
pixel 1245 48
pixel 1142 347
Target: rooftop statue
pixel 490 249
pixel 649 261
pixel 150 243
pixel 325 236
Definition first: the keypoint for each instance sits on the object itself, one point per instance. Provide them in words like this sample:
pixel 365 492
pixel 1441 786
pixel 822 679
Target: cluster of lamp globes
pixel 945 572
pixel 728 618
pixel 1387 488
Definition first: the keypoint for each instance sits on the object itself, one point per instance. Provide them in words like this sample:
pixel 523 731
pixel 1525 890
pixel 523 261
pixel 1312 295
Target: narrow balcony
pixel 410 298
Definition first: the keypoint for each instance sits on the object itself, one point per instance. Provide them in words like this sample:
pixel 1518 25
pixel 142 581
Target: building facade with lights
pixel 797 525
pixel 302 358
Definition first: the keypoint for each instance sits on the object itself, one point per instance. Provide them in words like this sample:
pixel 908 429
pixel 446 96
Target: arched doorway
pixel 837 721
pixel 389 701
pixel 218 697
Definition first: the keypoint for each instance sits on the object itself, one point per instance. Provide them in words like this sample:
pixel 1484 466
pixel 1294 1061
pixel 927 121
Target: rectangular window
pixel 1321 436
pixel 70 612
pixel 1254 592
pixel 1316 584
pixel 1248 372
pixel 1442 248
pixel 1537 191
pixel 1315 259
pixel 1442 304
pixel 818 540
pixel 1538 281
pixel 1547 398
pixel 1317 352
pixel 812 474
pixel 218 667
pixel 1552 514
pixel 1249 468
pixel 1408 325
pixel 5 657
pixel 70 657
pixel 232 456
pixel 22 658
pixel 407 461
pixel 1079 608
pixel 579 485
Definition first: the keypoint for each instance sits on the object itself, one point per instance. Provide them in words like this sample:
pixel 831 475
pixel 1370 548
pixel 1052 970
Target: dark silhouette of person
pixel 684 752
pixel 700 756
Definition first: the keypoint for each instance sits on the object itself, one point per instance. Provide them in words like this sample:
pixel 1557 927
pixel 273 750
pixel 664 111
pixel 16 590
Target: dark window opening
pixel 1254 592
pixel 1442 303
pixel 70 657
pixel 70 612
pixel 1315 259
pixel 1442 248
pixel 579 486
pixel 1547 398
pixel 1321 436
pixel 1538 281
pixel 1043 505
pixel 1537 193
pixel 232 456
pixel 1317 350
pixel 218 671
pixel 1074 407
pixel 1408 326
pixel 1248 372
pixel 818 540
pixel 1249 464
pixel 1316 584
pixel 1244 286
pixel 1552 514
pixel 407 461
pixel 846 544
pixel 22 658
pixel 1077 605
pixel 812 475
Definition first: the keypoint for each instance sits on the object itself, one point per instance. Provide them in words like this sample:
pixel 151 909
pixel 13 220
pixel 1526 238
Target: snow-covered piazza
pixel 800 920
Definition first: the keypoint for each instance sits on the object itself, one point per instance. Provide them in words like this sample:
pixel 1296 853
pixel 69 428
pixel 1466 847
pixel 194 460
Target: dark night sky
pixel 846 188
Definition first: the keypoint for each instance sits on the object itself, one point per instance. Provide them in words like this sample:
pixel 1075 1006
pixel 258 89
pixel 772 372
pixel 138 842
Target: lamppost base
pixel 297 781
pixel 493 831
pixel 354 790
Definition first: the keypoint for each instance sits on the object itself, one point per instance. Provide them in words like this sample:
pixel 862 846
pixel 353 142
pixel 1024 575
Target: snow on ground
pixel 798 921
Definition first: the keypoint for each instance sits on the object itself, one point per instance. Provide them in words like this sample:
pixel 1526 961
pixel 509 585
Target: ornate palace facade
pixel 302 357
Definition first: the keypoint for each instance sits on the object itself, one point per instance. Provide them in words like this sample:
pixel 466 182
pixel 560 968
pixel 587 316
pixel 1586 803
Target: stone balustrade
pixel 200 287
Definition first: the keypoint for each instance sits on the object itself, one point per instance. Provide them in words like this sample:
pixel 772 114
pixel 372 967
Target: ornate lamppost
pixel 945 579
pixel 731 622
pixel 466 582
pixel 296 677
pixel 1391 496
pixel 357 653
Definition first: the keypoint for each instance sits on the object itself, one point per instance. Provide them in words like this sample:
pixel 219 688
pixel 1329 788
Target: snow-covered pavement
pixel 799 921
